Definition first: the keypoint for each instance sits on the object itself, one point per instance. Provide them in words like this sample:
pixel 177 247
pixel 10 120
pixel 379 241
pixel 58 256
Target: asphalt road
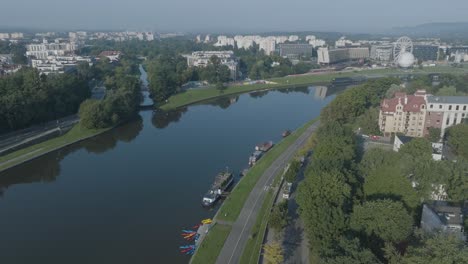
pixel 240 232
pixel 17 138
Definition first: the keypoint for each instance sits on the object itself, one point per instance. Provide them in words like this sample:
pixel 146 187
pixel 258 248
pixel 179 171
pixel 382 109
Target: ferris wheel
pixel 402 45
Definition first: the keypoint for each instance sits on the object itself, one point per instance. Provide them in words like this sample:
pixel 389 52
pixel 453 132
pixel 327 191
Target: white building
pixel 268 45
pixel 446 111
pixel 330 56
pixel 17 35
pixel 225 41
pixel 293 38
pixel 202 59
pixel 4 35
pixel 382 53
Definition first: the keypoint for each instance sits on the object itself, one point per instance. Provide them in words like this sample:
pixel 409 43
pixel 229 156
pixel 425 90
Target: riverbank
pixel 76 134
pixel 198 95
pixel 232 206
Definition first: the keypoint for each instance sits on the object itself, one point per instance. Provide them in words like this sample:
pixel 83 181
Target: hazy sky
pixel 229 15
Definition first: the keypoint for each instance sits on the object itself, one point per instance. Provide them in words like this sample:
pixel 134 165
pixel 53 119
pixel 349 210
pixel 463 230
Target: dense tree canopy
pixel 27 98
pixel 385 219
pixel 457 138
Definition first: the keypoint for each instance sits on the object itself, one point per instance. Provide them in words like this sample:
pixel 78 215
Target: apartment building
pixel 403 114
pixel 445 111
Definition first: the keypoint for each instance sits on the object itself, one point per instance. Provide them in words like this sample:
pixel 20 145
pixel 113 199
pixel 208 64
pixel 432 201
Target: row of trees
pixel 362 208
pixel 28 98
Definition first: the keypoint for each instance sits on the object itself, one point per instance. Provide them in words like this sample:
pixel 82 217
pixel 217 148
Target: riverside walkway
pixel 237 239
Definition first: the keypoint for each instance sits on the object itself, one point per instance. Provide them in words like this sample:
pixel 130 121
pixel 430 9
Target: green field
pixel 77 133
pixel 198 95
pixel 211 245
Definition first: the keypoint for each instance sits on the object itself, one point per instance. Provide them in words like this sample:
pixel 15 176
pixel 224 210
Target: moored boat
pixel 264 146
pixel 222 181
pixel 286 133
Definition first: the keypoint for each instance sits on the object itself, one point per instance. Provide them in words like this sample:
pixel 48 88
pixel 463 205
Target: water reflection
pixel 46 168
pixel 161 119
pixel 223 102
pixel 108 141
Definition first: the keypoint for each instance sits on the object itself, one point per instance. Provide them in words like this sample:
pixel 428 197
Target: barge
pixel 222 181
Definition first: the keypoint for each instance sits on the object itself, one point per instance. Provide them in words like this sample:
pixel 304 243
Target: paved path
pixel 235 243
pixel 295 243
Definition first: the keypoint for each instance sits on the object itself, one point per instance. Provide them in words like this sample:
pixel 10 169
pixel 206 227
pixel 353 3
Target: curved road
pixel 240 232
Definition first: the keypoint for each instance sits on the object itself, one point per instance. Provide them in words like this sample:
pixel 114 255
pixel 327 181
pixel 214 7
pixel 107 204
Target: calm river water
pixel 125 196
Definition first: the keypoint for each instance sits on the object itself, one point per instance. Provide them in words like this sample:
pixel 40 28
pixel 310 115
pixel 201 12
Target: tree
pixel 457 185
pixel 457 138
pixel 418 148
pixel 387 181
pixel 439 248
pixel 323 201
pixel 368 122
pixel 273 253
pixel 351 251
pixel 434 134
pixel 385 219
pixel 19 52
pixel 292 172
pixel 278 217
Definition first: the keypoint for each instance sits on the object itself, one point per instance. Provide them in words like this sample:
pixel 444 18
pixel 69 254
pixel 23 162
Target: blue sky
pixel 230 16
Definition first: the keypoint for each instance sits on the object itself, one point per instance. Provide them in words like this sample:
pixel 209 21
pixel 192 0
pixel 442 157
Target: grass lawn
pixel 197 95
pixel 233 204
pixel 212 244
pixel 75 134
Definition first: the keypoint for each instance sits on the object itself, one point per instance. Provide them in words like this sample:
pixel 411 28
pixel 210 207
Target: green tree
pixel 278 217
pixel 350 251
pixel 419 148
pixel 323 201
pixel 385 219
pixel 292 172
pixel 368 122
pixel 438 249
pixel 388 181
pixel 434 134
pixel 457 138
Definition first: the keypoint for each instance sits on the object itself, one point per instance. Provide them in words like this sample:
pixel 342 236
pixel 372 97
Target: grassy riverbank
pixel 232 206
pixel 77 133
pixel 198 95
pixel 212 245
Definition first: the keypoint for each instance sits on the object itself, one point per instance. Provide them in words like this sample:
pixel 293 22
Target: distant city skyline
pixel 223 16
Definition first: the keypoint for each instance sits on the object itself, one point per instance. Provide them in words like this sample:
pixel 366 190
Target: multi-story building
pixel 225 41
pixel 403 114
pixel 45 49
pixel 202 59
pixel 330 56
pixel 382 53
pixel 445 111
pixel 296 50
pixel 426 52
pixel 4 35
pixel 17 35
pixel 268 45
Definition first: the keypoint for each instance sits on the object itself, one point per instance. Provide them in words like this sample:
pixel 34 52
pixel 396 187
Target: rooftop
pixel 448 214
pixel 448 99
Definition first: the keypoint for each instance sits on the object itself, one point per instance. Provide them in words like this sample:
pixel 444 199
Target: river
pixel 124 196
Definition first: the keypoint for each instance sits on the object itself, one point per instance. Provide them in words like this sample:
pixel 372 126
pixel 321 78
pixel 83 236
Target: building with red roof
pixel 403 114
